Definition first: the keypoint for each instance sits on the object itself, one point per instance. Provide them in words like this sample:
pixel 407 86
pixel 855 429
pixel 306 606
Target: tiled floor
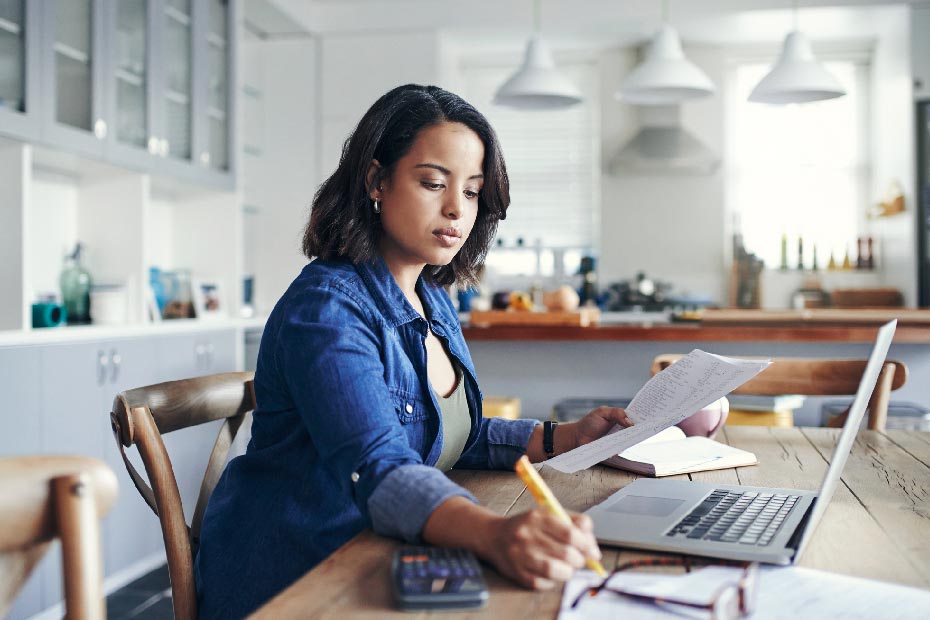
pixel 146 598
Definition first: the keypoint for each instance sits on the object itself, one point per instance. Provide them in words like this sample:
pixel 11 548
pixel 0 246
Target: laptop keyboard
pixel 731 516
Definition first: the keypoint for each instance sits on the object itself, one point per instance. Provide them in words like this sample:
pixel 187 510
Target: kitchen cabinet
pixel 21 436
pixel 19 71
pixel 59 398
pixel 79 383
pixel 142 84
pixel 72 85
pixel 191 356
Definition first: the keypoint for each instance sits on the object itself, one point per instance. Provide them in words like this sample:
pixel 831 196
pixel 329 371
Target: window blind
pixel 553 160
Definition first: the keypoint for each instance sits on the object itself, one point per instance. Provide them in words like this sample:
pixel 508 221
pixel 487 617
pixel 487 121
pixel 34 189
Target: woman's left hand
pixel 598 423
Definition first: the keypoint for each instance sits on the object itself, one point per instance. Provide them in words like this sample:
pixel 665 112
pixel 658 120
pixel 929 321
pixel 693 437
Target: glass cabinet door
pixel 13 55
pixel 74 65
pixel 130 79
pixel 178 62
pixel 218 80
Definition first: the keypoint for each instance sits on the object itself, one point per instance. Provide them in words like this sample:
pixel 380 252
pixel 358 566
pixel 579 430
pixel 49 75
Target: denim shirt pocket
pixel 410 408
pixel 413 414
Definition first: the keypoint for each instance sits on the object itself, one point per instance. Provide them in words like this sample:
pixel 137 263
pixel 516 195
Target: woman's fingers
pixel 539 550
pixel 615 415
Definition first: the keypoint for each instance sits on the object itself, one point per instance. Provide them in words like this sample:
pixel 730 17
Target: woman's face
pixel 429 205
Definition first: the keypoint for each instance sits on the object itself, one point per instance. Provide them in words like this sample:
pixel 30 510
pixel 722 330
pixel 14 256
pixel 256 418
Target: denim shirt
pixel 345 434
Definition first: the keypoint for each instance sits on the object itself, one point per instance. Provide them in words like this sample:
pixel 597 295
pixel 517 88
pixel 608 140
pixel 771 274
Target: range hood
pixel 663 146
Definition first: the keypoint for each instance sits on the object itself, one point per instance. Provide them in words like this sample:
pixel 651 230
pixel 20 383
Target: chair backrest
pixel 818 377
pixel 140 417
pixel 44 497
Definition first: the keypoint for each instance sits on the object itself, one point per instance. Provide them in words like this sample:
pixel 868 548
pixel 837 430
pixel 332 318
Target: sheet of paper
pixel 785 593
pixel 688 385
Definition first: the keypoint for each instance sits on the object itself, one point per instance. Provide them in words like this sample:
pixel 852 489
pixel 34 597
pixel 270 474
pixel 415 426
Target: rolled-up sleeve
pixel 498 445
pixel 507 440
pixel 334 371
pixel 407 496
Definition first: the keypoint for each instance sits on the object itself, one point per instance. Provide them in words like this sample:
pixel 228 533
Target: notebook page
pixel 690 384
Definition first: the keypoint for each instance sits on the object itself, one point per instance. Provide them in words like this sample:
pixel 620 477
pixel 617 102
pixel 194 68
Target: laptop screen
pixel 850 428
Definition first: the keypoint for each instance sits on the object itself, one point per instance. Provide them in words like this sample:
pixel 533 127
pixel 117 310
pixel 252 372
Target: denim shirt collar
pixel 391 300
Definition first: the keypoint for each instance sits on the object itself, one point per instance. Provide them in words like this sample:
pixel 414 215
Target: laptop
pixel 733 522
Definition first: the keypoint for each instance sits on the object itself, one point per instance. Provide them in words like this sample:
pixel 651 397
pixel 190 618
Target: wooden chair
pixel 818 377
pixel 140 417
pixel 44 497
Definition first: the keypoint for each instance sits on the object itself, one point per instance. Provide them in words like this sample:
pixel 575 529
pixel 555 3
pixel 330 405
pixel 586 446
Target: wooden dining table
pixel 876 526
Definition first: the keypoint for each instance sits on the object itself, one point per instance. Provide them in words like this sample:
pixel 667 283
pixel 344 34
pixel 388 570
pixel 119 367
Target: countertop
pixel 822 325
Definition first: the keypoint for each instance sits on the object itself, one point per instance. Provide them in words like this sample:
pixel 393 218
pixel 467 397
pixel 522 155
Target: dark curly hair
pixel 342 222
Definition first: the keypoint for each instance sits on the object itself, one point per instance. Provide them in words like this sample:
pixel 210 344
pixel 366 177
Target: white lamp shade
pixel 537 84
pixel 797 77
pixel 665 76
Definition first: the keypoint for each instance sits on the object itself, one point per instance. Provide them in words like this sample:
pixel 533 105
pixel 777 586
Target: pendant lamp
pixel 665 76
pixel 797 77
pixel 537 84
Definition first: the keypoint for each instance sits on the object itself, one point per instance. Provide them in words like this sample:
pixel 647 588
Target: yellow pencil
pixel 544 497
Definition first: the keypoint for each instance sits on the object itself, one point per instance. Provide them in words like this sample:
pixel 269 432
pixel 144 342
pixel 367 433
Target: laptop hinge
pixel 795 539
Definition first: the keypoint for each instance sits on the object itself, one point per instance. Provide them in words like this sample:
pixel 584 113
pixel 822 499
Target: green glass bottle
pixel 75 284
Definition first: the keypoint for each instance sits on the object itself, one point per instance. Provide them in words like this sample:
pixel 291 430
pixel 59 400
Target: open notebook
pixel 670 452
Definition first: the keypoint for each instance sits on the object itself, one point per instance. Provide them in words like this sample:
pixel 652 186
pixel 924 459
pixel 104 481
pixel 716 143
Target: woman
pixel 364 384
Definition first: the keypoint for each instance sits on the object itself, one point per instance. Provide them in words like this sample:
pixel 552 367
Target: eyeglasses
pixel 730 601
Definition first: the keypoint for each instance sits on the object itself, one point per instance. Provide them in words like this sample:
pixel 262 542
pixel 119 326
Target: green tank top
pixel 456 423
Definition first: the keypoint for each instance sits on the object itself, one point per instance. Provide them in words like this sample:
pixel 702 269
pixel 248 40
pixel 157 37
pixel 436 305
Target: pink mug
pixel 707 421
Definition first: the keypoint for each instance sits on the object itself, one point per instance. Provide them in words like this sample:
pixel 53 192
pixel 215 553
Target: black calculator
pixel 437 578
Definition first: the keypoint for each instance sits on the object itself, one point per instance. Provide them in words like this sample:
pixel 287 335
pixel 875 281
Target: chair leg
pixel 80 547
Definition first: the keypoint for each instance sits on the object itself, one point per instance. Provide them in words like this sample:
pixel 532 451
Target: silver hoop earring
pixel 376 207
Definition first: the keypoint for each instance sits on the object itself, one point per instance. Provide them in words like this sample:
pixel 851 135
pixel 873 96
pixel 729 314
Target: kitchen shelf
pixel 178 16
pixel 10 27
pixel 70 52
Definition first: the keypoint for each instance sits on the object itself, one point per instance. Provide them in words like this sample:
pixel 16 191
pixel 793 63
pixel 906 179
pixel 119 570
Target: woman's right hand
pixel 537 550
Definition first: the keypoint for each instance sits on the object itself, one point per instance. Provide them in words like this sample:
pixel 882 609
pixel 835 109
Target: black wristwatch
pixel 549 438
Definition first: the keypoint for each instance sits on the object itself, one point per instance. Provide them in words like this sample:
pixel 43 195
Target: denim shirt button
pixel 409 408
pixel 354 476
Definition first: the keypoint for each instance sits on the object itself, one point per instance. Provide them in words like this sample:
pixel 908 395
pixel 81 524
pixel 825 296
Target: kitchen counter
pixel 822 325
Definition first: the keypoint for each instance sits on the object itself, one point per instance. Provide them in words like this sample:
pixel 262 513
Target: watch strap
pixel 549 438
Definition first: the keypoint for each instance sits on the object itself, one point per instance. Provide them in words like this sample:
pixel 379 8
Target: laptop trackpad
pixel 645 506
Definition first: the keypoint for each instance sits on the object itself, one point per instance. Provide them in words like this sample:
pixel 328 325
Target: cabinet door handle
pixel 200 352
pixel 205 158
pixel 103 363
pixel 209 356
pixel 163 147
pixel 100 128
pixel 116 359
pixel 153 145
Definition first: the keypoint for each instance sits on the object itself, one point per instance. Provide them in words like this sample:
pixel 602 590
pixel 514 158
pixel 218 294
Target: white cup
pixel 108 304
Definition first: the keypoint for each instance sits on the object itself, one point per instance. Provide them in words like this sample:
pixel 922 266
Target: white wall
pixel 920 50
pixel 668 225
pixel 357 69
pixel 893 151
pixel 281 126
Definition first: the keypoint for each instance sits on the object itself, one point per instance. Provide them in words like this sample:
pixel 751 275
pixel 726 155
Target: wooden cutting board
pixel 583 317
